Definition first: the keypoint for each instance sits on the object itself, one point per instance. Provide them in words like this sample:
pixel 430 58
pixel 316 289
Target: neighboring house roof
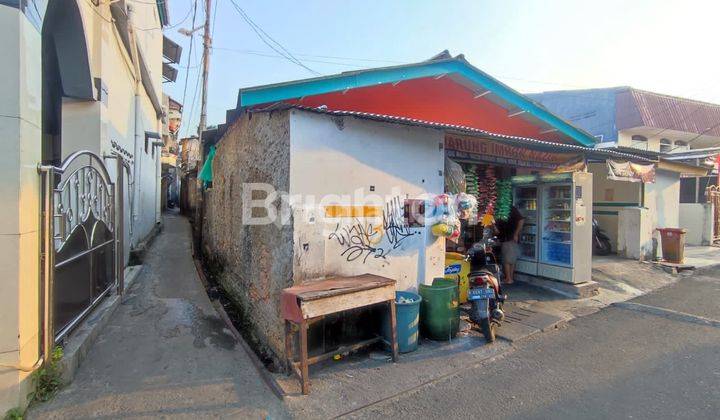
pixel 650 154
pixel 521 141
pixel 663 160
pixel 641 108
pixel 637 107
pixel 694 154
pixel 457 68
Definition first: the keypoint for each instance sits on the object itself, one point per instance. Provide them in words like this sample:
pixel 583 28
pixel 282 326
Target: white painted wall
pixel 94 125
pixel 663 196
pixel 661 201
pixel 86 125
pixel 635 233
pixel 654 135
pixel 697 218
pixel 609 197
pixel 20 125
pixel 331 157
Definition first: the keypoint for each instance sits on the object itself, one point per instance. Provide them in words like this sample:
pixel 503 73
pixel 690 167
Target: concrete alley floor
pixel 165 352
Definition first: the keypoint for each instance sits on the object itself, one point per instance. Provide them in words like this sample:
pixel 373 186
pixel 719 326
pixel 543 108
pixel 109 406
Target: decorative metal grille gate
pixel 80 223
pixel 713 197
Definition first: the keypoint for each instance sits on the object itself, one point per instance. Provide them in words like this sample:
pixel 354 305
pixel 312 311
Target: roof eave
pixel 457 129
pixel 364 78
pixel 682 168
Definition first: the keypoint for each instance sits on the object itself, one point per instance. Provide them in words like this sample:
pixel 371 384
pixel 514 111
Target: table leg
pixel 304 357
pixel 289 356
pixel 393 330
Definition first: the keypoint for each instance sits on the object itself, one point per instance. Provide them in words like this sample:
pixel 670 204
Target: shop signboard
pixel 492 151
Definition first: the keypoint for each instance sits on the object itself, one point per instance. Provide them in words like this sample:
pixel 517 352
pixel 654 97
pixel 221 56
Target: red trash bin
pixel 673 244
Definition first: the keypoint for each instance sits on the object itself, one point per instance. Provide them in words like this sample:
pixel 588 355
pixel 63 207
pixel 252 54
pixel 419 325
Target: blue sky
pixel 533 45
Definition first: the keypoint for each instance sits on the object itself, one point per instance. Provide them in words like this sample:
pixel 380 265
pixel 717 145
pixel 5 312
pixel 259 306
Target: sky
pixel 665 46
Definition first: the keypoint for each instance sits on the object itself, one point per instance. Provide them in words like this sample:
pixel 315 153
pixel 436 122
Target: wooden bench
pixel 306 303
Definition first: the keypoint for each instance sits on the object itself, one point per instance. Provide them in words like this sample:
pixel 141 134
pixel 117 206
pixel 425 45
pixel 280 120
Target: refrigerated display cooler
pixel 525 199
pixel 556 239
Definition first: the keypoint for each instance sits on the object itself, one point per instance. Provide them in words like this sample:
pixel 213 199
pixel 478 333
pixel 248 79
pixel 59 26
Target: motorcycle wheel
pixel 602 246
pixel 488 329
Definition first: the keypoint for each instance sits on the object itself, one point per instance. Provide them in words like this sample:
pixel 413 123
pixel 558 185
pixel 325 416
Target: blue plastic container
pixel 408 320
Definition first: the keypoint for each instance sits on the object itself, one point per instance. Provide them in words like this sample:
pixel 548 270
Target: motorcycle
pixel 485 294
pixel 601 242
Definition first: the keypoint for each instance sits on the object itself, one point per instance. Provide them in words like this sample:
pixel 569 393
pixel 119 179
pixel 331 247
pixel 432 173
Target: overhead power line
pixel 187 67
pixel 271 55
pixel 699 135
pixel 187 15
pixel 268 40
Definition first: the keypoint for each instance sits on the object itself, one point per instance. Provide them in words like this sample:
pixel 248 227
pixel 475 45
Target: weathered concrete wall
pixel 354 163
pixel 635 233
pixel 256 260
pixel 664 197
pixel 697 218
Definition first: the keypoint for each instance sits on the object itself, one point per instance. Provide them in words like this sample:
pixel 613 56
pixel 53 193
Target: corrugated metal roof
pixel 524 141
pixel 440 65
pixel 694 154
pixel 637 107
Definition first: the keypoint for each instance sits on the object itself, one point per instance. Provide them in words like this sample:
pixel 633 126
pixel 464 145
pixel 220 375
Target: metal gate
pixel 713 197
pixel 79 247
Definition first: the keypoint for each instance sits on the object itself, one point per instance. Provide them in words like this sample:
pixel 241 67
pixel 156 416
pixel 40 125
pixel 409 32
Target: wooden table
pixel 306 303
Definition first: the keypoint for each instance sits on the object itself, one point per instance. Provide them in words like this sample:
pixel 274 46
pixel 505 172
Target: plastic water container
pixel 408 321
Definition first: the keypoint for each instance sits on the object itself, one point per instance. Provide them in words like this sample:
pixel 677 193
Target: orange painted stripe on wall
pixel 353 211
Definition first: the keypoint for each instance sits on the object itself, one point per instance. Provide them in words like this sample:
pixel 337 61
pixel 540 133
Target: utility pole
pixel 207 42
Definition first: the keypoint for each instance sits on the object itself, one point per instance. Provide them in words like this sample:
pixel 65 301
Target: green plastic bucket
pixel 444 282
pixel 439 315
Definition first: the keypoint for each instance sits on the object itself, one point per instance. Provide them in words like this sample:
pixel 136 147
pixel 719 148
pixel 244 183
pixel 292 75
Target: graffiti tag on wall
pixel 362 240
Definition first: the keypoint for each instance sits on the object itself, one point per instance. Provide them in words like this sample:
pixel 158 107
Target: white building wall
pixel 86 125
pixel 20 125
pixel 635 233
pixel 664 197
pixel 331 159
pixel 697 219
pixel 654 136
pixel 124 115
pixel 609 197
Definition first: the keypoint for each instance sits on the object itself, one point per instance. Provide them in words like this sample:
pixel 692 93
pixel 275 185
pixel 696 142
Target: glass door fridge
pixel 557 223
pixel 566 227
pixel 525 199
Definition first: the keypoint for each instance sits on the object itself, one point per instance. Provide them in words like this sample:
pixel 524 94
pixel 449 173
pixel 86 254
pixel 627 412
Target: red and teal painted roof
pixel 444 89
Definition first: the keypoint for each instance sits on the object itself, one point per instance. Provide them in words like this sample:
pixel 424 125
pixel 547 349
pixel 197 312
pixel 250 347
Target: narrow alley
pixel 165 352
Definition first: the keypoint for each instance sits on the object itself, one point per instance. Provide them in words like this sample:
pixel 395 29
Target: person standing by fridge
pixel 509 235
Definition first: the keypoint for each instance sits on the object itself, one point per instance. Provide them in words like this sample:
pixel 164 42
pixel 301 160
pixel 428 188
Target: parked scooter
pixel 485 295
pixel 601 242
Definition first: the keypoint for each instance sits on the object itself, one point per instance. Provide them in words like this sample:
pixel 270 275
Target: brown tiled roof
pixel 636 108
